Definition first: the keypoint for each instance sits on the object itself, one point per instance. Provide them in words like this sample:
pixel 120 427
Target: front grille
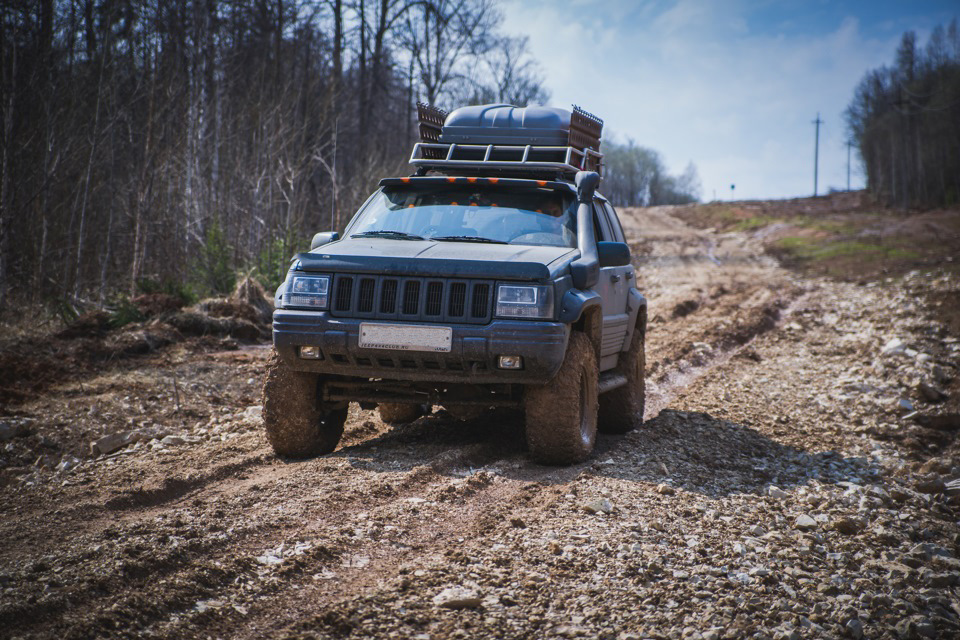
pixel 413 299
pixel 481 300
pixel 388 296
pixel 365 298
pixel 458 298
pixel 344 294
pixel 434 304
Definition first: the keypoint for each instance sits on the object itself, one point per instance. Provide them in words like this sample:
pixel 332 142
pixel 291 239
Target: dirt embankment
pixel 794 479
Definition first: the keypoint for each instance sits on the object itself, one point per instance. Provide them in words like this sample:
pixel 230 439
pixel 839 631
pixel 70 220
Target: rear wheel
pixel 561 415
pixel 621 409
pixel 297 427
pixel 398 412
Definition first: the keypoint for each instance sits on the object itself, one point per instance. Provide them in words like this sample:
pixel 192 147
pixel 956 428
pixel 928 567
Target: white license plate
pixel 405 337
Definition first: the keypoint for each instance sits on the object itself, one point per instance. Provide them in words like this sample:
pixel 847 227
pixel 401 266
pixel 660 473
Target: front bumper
pixel 472 358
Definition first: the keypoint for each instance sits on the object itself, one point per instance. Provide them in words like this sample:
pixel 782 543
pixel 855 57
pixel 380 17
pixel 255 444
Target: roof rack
pixel 500 158
pixel 502 139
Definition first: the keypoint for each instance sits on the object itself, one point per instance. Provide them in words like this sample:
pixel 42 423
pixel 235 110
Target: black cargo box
pixel 505 124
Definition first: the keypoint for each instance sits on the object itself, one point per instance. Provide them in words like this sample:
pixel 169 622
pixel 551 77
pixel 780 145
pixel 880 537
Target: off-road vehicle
pixel 493 276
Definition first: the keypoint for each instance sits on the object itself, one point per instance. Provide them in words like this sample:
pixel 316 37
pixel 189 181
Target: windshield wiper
pixel 392 235
pixel 467 239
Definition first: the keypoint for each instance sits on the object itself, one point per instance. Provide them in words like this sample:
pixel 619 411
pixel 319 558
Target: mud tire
pixel 561 415
pixel 621 409
pixel 398 412
pixel 296 427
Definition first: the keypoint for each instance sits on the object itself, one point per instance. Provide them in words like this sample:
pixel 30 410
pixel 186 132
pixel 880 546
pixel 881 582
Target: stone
pixel 939 580
pixel 518 523
pixel 665 490
pixel 757 530
pixel 927 629
pixel 904 404
pixel 113 442
pixel 930 483
pixel 940 374
pixel 68 463
pixel 172 441
pixel 931 393
pixel 458 598
pixel 253 414
pixel 854 629
pixel 776 492
pixel 893 347
pixel 930 550
pixel 936 465
pixel 9 431
pixel 952 488
pixel 848 526
pixel 805 523
pixel 599 506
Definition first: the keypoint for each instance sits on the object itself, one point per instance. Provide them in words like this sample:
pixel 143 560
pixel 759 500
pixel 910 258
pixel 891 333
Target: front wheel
pixel 296 426
pixel 561 415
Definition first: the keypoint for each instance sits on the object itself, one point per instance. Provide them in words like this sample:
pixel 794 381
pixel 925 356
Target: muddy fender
pixel 637 308
pixel 575 302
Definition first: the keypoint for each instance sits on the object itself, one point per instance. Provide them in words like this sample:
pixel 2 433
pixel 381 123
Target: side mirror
pixel 613 254
pixel 323 238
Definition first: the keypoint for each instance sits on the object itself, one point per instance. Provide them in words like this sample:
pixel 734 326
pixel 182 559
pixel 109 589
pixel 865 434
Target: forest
pixel 150 145
pixel 905 122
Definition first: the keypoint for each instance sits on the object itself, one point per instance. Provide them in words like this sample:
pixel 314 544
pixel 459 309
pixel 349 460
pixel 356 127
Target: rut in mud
pixel 775 488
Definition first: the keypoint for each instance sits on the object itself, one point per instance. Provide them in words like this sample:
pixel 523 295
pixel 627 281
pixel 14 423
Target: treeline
pixel 905 121
pixel 147 142
pixel 635 176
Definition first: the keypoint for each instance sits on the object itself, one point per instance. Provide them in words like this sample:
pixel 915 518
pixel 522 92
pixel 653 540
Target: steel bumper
pixel 473 357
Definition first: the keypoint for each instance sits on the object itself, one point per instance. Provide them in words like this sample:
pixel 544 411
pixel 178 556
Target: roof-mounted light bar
pixel 516 183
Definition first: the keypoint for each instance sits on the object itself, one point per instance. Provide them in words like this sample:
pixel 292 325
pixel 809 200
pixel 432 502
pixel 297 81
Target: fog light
pixel 510 362
pixel 310 353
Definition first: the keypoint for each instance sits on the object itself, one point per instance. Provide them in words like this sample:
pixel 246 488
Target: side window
pixel 597 233
pixel 601 228
pixel 614 223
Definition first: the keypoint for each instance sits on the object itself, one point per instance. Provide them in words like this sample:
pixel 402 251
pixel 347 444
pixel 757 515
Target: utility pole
pixel 849 145
pixel 816 153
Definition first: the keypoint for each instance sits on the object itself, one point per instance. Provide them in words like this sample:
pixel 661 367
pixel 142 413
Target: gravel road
pixel 780 488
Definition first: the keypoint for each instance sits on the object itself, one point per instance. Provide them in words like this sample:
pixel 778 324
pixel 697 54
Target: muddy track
pixel 218 537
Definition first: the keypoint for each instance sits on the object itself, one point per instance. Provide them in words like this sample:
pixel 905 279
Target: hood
pixel 427 258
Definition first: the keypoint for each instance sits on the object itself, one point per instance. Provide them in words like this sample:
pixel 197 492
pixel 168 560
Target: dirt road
pixel 777 488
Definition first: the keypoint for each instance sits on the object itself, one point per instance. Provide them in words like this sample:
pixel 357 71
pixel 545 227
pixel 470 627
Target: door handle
pixel 614 278
pixel 629 275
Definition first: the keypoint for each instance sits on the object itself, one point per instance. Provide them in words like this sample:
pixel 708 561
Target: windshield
pixel 471 214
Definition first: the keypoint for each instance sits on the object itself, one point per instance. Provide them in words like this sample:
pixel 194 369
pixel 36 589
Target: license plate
pixel 405 337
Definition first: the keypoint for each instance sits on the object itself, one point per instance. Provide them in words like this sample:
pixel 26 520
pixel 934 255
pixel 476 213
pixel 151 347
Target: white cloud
pixel 692 80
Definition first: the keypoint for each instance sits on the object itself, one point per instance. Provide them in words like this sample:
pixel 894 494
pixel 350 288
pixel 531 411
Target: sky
pixel 732 86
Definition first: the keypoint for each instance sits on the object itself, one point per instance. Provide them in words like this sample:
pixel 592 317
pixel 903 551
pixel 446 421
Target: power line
pixel 816 153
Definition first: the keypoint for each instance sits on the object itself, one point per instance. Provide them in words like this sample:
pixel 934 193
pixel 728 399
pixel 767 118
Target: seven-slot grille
pixel 423 299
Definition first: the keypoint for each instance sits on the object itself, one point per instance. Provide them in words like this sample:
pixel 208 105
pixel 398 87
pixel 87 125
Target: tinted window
pixel 529 216
pixel 614 222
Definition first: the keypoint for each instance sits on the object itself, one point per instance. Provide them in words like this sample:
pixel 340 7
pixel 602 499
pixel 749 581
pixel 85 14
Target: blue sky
pixel 732 86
